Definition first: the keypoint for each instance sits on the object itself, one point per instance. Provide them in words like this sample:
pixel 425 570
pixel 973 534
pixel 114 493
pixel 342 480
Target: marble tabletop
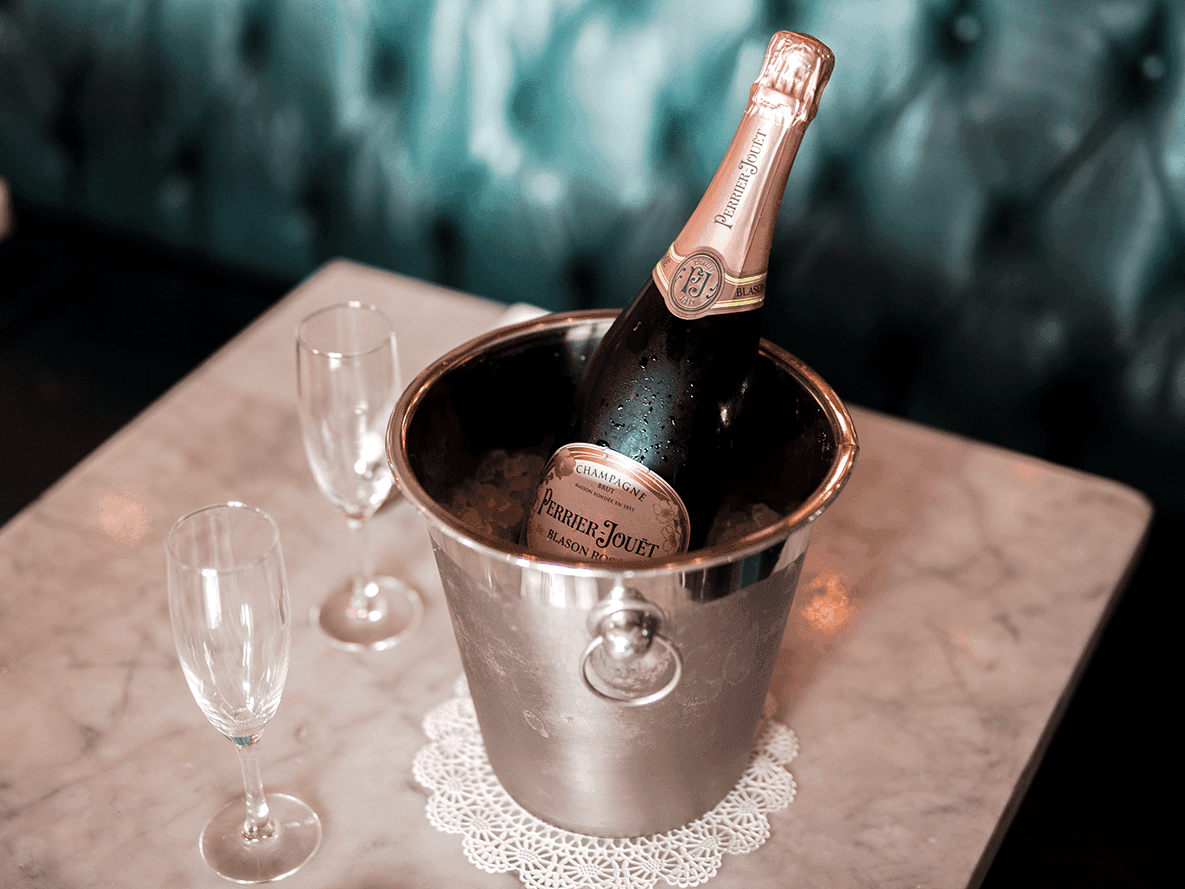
pixel 950 599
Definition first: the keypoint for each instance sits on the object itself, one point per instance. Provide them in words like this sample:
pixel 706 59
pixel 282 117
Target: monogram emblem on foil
pixel 696 284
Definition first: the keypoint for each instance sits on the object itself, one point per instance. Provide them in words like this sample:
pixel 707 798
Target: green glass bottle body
pixel 665 392
pixel 645 459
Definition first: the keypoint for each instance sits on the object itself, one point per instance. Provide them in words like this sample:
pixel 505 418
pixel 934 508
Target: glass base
pixel 396 610
pixel 240 860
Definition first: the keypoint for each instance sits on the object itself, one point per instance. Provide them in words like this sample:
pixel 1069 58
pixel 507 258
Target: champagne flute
pixel 228 600
pixel 347 371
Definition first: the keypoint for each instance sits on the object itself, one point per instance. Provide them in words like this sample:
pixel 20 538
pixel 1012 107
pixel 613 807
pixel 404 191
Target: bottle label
pixel 595 504
pixel 698 285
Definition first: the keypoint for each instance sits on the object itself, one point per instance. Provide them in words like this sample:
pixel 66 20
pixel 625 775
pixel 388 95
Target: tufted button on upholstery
pixel 1139 48
pixel 255 38
pixel 1154 379
pixel 388 71
pixel 1145 430
pixel 67 127
pixel 957 31
pixel 178 190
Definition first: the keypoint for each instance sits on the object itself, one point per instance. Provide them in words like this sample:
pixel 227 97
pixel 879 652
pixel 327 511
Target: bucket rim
pixel 838 417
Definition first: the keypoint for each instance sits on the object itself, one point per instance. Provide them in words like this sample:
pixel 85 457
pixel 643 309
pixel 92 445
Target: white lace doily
pixel 500 836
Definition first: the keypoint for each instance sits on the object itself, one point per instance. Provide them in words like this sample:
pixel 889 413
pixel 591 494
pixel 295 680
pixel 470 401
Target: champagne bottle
pixel 644 462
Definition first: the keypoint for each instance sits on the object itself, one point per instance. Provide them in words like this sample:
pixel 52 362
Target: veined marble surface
pixel 948 600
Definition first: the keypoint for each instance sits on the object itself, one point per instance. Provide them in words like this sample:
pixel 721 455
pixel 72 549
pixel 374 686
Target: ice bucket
pixel 613 700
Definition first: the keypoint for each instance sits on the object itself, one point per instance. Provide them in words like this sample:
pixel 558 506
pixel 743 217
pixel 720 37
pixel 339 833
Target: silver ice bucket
pixel 613 701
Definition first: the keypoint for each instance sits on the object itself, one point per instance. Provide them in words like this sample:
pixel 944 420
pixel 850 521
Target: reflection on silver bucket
pixel 614 701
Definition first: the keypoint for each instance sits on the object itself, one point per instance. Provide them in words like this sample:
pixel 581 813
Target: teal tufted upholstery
pixel 985 228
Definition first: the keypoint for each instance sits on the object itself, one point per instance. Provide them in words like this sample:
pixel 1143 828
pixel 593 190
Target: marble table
pixel 950 600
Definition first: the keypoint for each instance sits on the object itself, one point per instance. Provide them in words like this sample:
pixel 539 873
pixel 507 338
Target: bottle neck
pixel 718 262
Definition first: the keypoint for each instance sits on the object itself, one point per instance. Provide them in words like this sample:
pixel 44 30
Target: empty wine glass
pixel 228 600
pixel 347 372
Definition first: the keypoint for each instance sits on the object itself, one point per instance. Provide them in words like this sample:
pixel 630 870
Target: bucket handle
pixel 627 626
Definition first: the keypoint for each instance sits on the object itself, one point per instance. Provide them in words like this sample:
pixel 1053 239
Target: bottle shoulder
pixel 647 328
pixel 657 386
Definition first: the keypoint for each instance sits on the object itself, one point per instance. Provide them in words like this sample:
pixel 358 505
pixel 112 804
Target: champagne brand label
pixel 699 285
pixel 595 504
pixel 747 170
pixel 696 284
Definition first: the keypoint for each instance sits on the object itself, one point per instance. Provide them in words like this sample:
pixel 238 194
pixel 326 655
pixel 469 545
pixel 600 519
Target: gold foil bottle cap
pixel 796 68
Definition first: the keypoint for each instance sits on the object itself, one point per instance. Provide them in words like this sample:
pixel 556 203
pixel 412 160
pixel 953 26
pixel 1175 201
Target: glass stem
pixel 364 591
pixel 259 825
